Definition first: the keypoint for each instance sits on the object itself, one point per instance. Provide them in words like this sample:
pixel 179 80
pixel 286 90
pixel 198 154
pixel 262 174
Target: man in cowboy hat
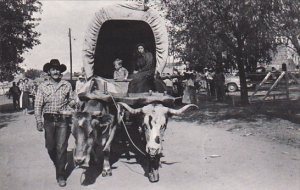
pixel 53 96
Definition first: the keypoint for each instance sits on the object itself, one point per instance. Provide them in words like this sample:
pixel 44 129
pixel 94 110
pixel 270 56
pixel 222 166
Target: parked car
pixel 232 82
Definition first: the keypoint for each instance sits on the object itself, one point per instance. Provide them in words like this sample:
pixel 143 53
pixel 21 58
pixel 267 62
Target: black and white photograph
pixel 150 94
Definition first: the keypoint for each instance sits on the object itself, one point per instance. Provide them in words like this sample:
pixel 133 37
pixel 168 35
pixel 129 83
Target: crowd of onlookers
pixel 188 83
pixel 180 84
pixel 23 95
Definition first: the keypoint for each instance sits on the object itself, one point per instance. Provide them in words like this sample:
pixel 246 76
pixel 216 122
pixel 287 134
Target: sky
pixel 56 19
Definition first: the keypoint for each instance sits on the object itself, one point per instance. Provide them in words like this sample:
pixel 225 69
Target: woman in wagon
pixel 144 69
pixel 120 73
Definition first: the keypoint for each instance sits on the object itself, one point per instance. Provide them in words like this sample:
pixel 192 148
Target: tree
pixel 244 29
pixel 289 22
pixel 17 33
pixel 33 73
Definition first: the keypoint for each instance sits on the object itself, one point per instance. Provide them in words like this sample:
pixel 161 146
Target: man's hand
pixel 40 127
pixel 72 105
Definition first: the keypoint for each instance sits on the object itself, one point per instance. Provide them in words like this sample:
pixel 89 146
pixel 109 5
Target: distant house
pixel 285 54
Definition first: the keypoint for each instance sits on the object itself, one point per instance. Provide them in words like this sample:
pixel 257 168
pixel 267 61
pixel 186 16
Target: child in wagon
pixel 120 73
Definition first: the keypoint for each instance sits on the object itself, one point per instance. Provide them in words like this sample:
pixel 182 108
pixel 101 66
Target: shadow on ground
pixel 121 149
pixel 213 111
pixel 5 119
pixel 7 108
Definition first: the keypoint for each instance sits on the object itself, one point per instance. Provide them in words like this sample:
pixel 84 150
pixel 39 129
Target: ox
pixel 93 129
pixel 154 124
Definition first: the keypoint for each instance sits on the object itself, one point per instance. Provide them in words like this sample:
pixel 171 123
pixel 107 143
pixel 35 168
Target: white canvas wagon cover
pixel 126 12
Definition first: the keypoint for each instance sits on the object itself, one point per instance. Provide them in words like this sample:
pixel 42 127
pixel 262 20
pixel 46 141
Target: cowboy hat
pixel 54 63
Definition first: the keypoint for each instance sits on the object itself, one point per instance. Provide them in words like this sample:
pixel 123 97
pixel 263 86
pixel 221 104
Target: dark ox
pixel 93 130
pixel 155 120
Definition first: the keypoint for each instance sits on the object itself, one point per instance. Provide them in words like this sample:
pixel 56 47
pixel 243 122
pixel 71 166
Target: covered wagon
pixel 114 32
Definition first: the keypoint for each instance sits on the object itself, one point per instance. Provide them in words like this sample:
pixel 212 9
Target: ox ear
pixel 181 110
pixel 130 109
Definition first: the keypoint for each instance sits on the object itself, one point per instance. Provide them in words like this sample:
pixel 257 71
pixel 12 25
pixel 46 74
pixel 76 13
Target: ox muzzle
pixel 83 125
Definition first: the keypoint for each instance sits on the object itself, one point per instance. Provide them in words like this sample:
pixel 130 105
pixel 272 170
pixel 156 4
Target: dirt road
pixel 197 156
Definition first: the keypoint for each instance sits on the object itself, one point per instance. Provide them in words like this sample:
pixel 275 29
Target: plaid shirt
pixel 51 98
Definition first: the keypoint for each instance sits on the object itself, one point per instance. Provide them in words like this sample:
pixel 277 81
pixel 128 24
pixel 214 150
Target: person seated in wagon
pixel 144 69
pixel 120 73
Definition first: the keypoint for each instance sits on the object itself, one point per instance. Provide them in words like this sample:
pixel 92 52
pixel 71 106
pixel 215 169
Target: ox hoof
pixel 153 176
pixel 106 173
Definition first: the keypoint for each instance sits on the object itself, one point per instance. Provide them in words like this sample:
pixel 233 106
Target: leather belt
pixel 53 117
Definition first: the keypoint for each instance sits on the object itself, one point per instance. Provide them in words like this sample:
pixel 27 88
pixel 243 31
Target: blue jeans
pixel 56 139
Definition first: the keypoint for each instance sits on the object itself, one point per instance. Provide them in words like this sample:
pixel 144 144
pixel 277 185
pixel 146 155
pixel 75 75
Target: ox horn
pixel 177 112
pixel 130 109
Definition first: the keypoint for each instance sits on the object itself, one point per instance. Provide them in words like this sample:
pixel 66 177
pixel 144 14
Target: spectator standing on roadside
pixel 79 84
pixel 189 94
pixel 33 93
pixel 15 93
pixel 20 85
pixel 219 80
pixel 297 69
pixel 169 84
pixel 25 96
pixel 209 75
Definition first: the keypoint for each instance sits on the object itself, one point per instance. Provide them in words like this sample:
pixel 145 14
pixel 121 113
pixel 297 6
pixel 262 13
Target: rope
pixel 126 130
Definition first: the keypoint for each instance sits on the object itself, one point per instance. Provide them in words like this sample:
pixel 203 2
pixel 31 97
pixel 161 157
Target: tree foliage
pixel 242 29
pixel 33 73
pixel 288 18
pixel 17 34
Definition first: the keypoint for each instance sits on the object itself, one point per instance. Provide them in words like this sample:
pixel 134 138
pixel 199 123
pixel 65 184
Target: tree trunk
pixel 244 90
pixel 295 42
pixel 0 52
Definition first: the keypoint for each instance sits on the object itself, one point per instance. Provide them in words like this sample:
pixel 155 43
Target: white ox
pixel 155 120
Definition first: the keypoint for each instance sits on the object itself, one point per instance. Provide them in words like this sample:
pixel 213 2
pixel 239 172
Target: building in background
pixel 285 54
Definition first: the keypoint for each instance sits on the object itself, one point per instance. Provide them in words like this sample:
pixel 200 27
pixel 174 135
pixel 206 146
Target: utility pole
pixel 70 42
